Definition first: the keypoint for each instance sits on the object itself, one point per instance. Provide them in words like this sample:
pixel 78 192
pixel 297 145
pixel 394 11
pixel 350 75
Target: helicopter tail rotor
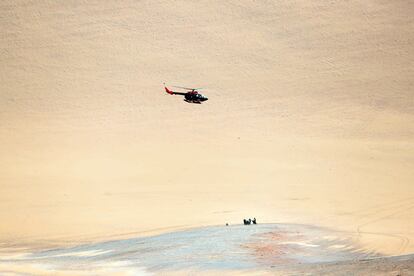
pixel 168 90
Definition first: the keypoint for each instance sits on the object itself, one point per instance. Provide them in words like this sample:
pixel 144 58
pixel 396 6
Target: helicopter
pixel 192 96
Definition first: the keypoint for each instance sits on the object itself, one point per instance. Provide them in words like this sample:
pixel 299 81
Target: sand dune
pixel 309 119
pixel 219 248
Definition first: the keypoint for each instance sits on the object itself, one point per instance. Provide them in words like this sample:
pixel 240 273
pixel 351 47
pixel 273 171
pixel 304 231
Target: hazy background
pixel 310 117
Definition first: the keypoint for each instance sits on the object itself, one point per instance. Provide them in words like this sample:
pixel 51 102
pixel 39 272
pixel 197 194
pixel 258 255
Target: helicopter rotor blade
pixel 187 88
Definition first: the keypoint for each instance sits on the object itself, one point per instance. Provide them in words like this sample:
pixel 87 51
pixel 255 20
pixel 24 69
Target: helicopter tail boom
pixel 173 92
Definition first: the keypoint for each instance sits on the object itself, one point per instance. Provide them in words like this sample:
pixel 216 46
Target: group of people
pixel 249 221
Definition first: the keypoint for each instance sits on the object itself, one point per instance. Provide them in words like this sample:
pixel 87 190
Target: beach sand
pixel 265 249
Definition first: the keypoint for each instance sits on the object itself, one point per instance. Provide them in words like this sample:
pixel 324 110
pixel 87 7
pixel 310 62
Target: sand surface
pixel 266 249
pixel 272 247
pixel 310 118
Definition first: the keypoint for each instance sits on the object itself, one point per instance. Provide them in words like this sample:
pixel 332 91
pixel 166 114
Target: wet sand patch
pixel 215 248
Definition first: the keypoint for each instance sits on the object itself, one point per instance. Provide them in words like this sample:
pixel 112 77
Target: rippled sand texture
pixel 310 118
pixel 220 248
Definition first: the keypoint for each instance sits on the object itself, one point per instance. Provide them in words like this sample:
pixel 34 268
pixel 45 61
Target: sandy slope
pixel 310 117
pixel 264 249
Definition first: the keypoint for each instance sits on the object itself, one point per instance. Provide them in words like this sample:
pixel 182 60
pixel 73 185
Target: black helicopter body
pixel 192 96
